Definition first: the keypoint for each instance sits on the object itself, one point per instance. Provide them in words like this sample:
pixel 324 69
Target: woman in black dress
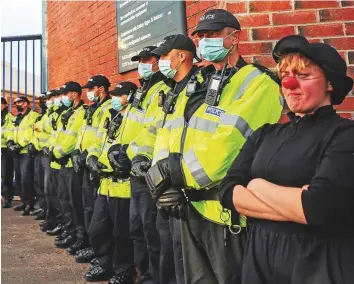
pixel 295 181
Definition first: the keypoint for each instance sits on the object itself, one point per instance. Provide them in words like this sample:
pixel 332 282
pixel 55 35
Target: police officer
pixel 7 159
pixel 109 231
pixel 17 143
pixel 98 88
pixel 53 224
pixel 176 63
pixel 142 208
pixel 70 196
pixel 41 163
pixel 207 128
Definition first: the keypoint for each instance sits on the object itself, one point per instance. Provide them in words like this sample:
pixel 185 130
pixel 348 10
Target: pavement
pixel 29 256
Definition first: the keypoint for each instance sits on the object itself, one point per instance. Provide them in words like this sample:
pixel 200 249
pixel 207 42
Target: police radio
pixel 191 85
pixel 113 127
pixel 139 96
pixel 169 102
pixel 130 98
pixel 212 97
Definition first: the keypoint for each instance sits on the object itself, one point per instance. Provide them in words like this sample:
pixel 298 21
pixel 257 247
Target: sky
pixel 21 17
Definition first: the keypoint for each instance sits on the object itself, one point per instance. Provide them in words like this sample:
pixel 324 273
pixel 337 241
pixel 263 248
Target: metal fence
pixel 9 64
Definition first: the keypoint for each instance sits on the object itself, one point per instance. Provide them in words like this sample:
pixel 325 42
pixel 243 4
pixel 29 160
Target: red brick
pixel 301 4
pixel 191 22
pixel 347 104
pixel 347 3
pixel 298 17
pixel 324 30
pixel 253 20
pixel 341 43
pixel 255 48
pixel 272 33
pixel 264 6
pixel 192 10
pixel 236 7
pixel 346 14
pixel 244 35
pixel 265 60
pixel 203 5
pixel 349 28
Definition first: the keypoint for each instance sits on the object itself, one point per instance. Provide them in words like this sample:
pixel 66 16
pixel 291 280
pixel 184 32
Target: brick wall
pixel 82 36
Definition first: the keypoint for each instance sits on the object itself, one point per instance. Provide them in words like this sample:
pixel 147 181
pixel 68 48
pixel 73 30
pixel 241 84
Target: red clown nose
pixel 290 82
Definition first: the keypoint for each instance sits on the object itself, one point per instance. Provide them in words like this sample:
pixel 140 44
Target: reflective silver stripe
pixel 93 150
pixel 42 140
pixel 91 128
pixel 238 122
pixel 203 124
pixel 60 150
pixel 134 147
pixel 246 82
pixel 152 129
pixel 159 124
pixel 196 168
pixel 136 116
pixel 70 132
pixel 103 109
pixel 100 134
pixel 146 149
pixel 162 154
pixel 175 123
pixel 149 119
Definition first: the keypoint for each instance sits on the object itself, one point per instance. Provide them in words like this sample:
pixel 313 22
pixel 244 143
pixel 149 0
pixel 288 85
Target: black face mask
pixel 19 108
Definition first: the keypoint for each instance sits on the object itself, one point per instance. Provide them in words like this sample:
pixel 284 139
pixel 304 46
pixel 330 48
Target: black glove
pixel 82 160
pixel 31 149
pixel 51 156
pixel 46 151
pixel 10 143
pixel 119 161
pixel 94 168
pixel 123 159
pixel 173 203
pixel 75 156
pixel 158 178
pixel 13 147
pixel 140 166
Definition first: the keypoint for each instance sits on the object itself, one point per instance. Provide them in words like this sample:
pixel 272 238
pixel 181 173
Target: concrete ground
pixel 29 256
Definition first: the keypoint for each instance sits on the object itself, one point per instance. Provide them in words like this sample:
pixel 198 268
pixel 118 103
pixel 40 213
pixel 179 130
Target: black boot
pixel 40 215
pixel 45 226
pixel 56 231
pixel 20 207
pixel 80 244
pixel 95 262
pixel 121 279
pixel 98 273
pixel 27 210
pixel 36 211
pixel 62 236
pixel 67 242
pixel 84 255
pixel 7 204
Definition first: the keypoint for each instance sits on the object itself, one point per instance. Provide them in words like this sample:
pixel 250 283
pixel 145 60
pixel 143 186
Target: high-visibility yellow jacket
pixel 40 136
pixel 87 135
pixel 7 125
pixel 66 138
pixel 214 135
pixel 23 133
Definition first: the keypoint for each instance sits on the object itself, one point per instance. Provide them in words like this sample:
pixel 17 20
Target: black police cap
pixel 216 20
pixel 325 56
pixel 22 99
pixel 178 41
pixel 124 88
pixel 145 53
pixel 71 86
pixel 3 101
pixel 97 80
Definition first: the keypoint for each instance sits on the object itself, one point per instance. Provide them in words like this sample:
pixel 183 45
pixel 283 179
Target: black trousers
pixel 24 178
pixel 65 185
pixel 171 258
pixel 75 193
pixel 7 174
pixel 291 258
pixel 109 235
pixel 206 258
pixel 143 214
pixel 41 178
pixel 53 214
pixel 89 193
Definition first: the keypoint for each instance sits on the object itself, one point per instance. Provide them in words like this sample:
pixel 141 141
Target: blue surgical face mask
pixel 212 49
pixel 91 96
pixel 165 68
pixel 57 102
pixel 117 103
pixel 66 101
pixel 48 104
pixel 145 70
